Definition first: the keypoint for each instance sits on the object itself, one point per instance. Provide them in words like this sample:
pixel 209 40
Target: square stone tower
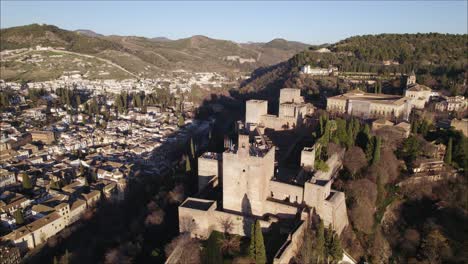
pixel 290 95
pixel 246 174
pixel 254 109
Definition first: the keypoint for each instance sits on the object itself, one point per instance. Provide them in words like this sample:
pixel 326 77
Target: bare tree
pixel 388 167
pixel 363 193
pixel 115 256
pixel 226 224
pixel 187 224
pixel 177 194
pixel 230 244
pixel 354 160
pixel 155 217
pixel 362 216
pixel 183 250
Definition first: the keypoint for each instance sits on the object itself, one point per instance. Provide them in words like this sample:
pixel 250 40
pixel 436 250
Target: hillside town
pixel 52 174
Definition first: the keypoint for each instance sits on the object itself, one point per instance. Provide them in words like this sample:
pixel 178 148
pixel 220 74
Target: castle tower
pixel 290 95
pixel 254 109
pixel 246 174
pixel 411 79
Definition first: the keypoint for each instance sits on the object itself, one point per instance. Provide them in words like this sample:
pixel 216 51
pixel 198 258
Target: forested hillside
pixel 439 61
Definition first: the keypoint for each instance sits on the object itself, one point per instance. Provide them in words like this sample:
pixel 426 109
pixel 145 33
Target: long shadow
pixel 121 224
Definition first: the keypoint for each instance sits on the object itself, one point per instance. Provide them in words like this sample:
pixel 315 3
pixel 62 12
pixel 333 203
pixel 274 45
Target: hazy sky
pixel 307 21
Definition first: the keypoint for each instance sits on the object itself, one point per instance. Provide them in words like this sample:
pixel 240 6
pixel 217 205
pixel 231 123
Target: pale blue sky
pixel 307 21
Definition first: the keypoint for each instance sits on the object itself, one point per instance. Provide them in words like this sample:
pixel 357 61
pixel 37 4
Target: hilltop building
pixel 419 94
pixel 253 189
pixel 307 69
pixel 370 105
pixel 292 111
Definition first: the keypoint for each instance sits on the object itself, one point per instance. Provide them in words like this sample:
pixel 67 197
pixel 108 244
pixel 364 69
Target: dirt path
pixel 98 58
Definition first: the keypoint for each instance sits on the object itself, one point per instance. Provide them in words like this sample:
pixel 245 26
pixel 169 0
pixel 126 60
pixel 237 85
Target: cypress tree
pixel 336 251
pixel 19 218
pixel 257 246
pixel 448 152
pixel 320 247
pixel 26 181
pixel 370 148
pixel 188 168
pixel 78 101
pixel 306 250
pixel 376 154
pixel 212 251
pixel 328 241
pixel 192 148
pixel 380 189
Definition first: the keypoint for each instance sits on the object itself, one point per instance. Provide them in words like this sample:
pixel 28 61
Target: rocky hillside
pixel 145 56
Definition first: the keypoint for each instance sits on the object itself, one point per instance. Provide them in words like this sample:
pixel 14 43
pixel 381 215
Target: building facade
pixel 369 105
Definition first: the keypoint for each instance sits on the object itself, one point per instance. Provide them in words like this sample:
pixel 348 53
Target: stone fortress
pixel 292 111
pixel 252 188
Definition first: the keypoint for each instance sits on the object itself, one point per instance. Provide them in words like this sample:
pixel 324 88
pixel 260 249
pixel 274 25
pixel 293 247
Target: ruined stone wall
pixel 277 123
pixel 284 191
pixel 308 157
pixel 282 210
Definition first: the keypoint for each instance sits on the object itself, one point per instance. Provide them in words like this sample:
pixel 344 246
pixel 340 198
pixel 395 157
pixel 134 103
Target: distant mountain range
pixel 146 56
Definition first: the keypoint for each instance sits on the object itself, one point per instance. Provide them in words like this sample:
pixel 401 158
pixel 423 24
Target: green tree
pixel 257 246
pixel 410 149
pixel 19 218
pixel 448 152
pixel 192 148
pixel 27 184
pixel 370 147
pixel 376 154
pixel 320 246
pixel 306 250
pixel 380 189
pixel 336 251
pixel 188 168
pixel 181 121
pixel 212 254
